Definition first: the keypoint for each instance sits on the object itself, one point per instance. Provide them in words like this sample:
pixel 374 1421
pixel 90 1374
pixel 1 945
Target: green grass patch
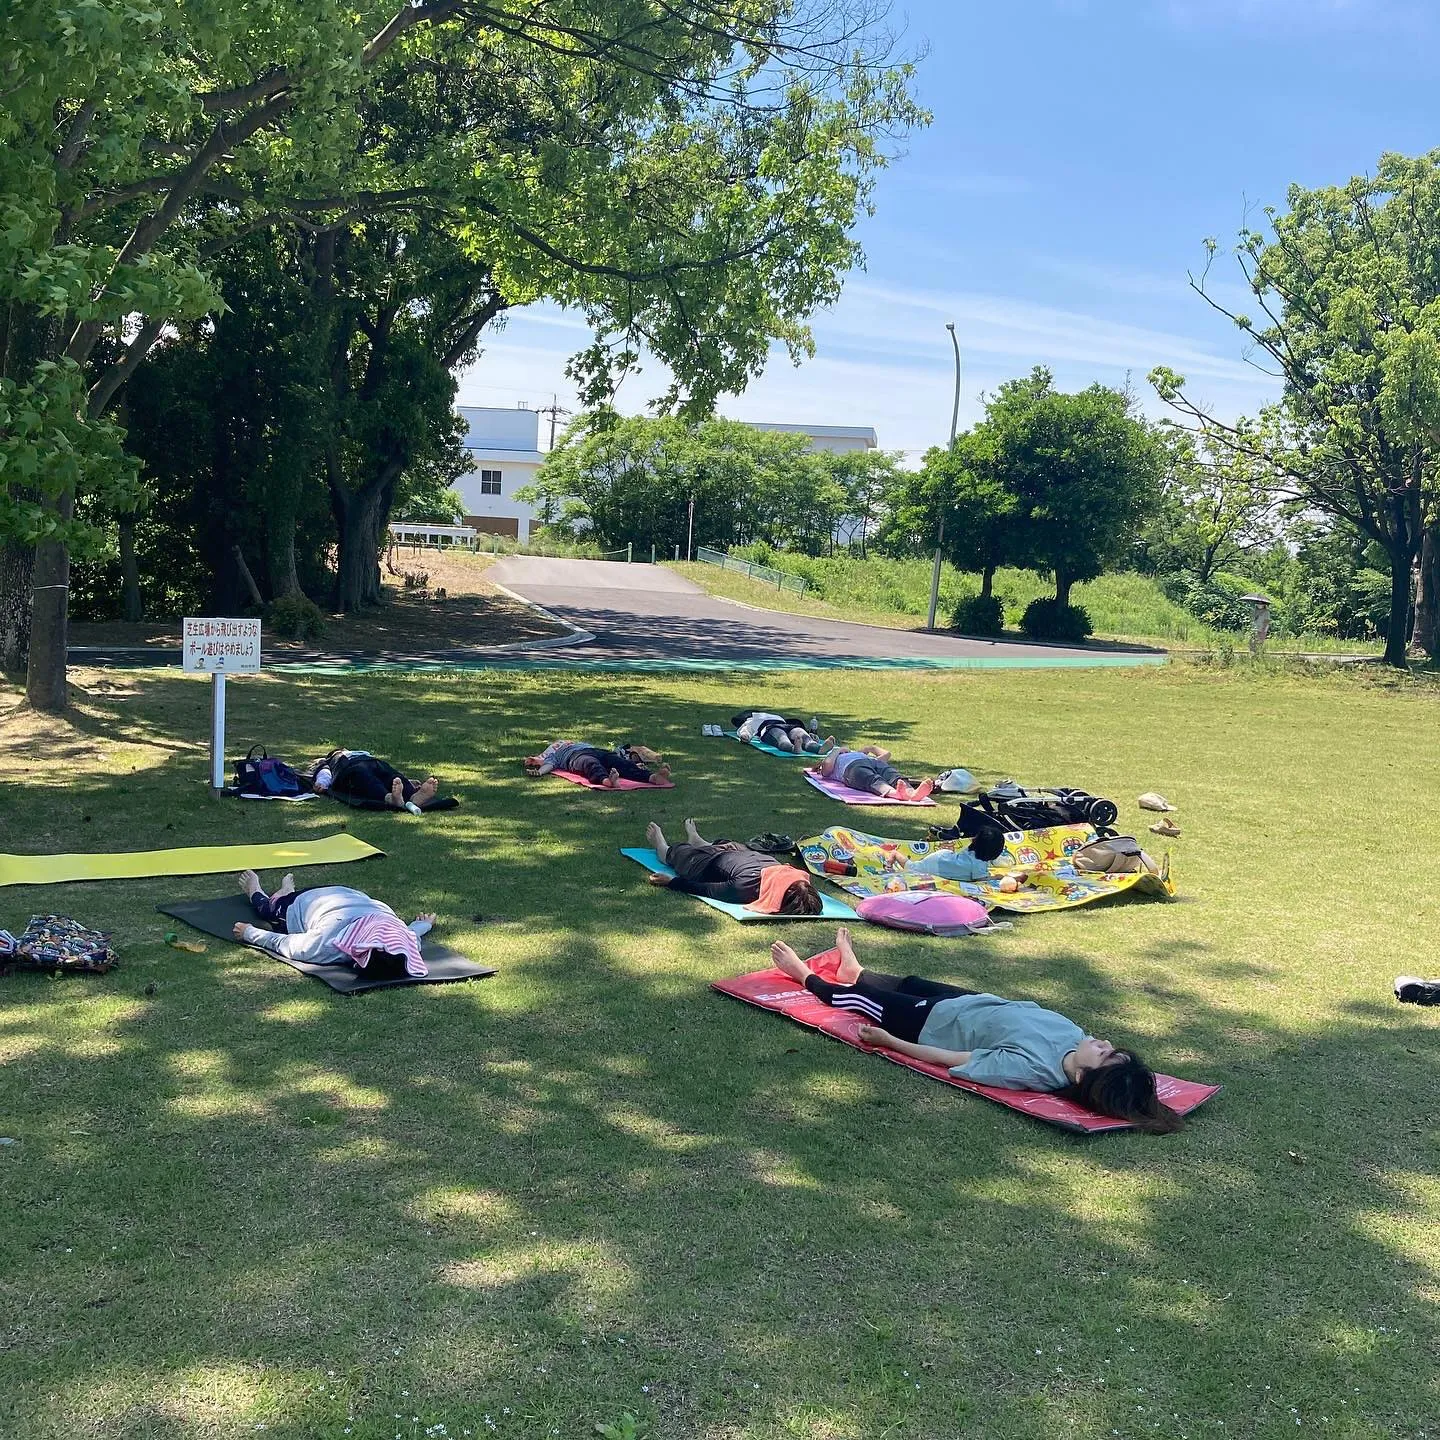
pixel 590 1187
pixel 896 593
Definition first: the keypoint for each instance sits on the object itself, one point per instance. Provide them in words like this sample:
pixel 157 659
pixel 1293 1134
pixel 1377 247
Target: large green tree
pixel 683 172
pixel 1346 285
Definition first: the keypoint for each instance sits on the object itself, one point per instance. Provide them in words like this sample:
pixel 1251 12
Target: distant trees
pixel 1055 481
pixel 683 174
pixel 1347 285
pixel 632 480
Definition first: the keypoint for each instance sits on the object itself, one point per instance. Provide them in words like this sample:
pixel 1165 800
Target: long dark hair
pixel 802 898
pixel 1126 1091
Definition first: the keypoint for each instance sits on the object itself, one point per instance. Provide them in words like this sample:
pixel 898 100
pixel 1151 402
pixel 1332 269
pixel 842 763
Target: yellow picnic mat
pixel 199 860
pixel 1051 882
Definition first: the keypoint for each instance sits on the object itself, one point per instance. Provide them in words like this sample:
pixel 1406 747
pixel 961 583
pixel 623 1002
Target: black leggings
pixel 900 1006
pixel 272 910
pixel 596 765
pixel 365 780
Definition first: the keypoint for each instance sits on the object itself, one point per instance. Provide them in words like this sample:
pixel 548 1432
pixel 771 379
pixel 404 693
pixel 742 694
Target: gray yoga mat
pixel 218 917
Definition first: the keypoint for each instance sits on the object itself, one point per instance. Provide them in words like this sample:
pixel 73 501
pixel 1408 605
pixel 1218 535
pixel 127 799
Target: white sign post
pixel 218 648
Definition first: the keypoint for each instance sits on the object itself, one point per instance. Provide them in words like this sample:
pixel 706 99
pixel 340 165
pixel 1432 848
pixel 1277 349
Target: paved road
pixel 649 613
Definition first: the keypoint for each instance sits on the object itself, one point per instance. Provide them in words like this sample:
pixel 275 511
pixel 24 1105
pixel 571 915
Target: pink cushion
pixel 930 911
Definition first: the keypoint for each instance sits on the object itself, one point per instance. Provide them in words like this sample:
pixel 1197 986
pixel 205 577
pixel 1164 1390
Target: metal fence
pixel 780 579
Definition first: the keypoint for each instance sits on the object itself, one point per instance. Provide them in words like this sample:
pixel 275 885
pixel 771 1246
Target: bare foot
pixel 922 790
pixel 287 887
pixel 692 834
pixel 612 780
pixel 656 836
pixel 425 792
pixel 663 772
pixel 249 882
pixel 850 968
pixel 396 798
pixel 785 960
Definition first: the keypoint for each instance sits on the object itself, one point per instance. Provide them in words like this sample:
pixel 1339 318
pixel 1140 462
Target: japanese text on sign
pixel 226 647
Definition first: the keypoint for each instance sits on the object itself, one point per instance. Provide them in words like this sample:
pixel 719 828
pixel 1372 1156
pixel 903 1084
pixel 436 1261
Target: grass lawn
pixel 524 1207
pixel 1125 608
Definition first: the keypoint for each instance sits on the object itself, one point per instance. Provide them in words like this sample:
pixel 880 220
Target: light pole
pixel 940 536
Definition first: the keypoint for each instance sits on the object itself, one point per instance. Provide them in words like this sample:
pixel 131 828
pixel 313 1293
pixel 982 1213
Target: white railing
pixel 405 533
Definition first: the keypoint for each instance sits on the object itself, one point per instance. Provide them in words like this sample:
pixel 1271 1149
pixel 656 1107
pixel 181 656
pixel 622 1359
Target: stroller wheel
pixel 1103 813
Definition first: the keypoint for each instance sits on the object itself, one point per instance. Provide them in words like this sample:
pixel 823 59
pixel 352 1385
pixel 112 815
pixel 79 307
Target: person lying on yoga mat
pixel 333 925
pixel 734 873
pixel 869 769
pixel 598 765
pixel 781 733
pixel 1013 1044
pixel 356 777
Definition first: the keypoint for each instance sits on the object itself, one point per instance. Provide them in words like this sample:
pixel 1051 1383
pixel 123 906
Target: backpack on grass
pixel 262 776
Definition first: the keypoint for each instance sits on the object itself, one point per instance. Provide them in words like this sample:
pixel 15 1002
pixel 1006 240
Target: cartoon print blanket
pixel 1042 857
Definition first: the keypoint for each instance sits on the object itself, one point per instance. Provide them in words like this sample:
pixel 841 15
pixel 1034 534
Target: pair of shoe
pixel 1412 990
pixel 714 731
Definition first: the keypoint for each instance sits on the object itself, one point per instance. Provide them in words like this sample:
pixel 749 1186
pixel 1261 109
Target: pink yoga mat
pixel 836 791
pixel 575 779
pixel 771 990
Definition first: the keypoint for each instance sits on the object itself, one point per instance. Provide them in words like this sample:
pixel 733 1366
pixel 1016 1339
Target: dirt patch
pixel 471 612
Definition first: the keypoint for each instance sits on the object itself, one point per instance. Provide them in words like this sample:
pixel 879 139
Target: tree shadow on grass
pixel 615 1180
pixel 230 1187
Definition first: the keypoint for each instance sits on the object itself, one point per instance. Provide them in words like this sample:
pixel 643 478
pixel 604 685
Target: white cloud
pixel 884 359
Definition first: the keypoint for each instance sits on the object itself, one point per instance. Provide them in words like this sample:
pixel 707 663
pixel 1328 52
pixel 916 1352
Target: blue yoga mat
pixel 831 909
pixel 771 750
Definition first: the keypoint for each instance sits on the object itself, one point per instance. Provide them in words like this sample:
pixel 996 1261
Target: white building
pixel 504 450
pixel 836 439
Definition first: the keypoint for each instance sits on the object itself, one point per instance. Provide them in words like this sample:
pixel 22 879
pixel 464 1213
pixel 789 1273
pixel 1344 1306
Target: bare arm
pixel 874 1035
pixel 877 752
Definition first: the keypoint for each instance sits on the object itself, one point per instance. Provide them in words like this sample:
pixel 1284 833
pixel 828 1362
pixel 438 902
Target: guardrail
pixel 416 534
pixel 780 579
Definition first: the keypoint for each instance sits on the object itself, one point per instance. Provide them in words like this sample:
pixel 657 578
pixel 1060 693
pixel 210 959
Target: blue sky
pixel 1081 152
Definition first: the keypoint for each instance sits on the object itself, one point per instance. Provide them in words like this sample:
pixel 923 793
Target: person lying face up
pixel 333 925
pixel 1012 1044
pixel 869 769
pixel 598 765
pixel 728 871
pixel 357 777
pixel 780 732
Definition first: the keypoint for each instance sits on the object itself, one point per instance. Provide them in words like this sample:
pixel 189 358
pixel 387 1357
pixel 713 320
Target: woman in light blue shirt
pixel 1013 1044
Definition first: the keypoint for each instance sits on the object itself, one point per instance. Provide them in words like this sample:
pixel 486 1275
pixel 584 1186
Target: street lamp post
pixel 940 536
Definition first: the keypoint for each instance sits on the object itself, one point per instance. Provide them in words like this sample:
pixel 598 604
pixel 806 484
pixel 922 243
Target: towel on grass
pixel 773 749
pixel 580 780
pixel 836 791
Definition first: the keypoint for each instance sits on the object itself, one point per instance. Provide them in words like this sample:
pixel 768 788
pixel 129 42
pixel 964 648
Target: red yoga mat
pixel 621 784
pixel 771 990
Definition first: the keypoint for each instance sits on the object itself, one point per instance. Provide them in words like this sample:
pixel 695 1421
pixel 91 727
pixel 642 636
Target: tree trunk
pixel 357 570
pixel 1398 630
pixel 256 598
pixel 1063 582
pixel 1423 635
pixel 987 581
pixel 131 607
pixel 16 563
pixel 286 577
pixel 49 622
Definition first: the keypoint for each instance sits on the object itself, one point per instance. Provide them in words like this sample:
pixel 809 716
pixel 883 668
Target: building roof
pixel 820 432
pixel 491 454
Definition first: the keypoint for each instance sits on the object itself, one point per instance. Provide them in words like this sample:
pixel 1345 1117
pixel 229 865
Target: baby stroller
pixel 1009 806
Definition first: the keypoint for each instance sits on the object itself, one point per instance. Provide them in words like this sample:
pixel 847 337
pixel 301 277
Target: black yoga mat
pixel 218 917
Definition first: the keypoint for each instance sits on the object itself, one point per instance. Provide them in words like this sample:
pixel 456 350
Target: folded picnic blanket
pixel 1053 883
pixel 771 990
pixel 836 791
pixel 832 909
pixel 621 784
